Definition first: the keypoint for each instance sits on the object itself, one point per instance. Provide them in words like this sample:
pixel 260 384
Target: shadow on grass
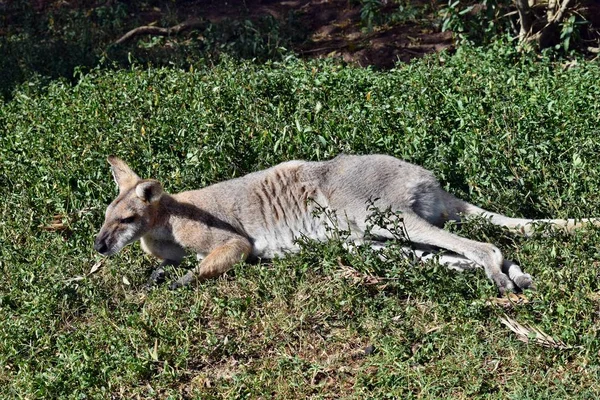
pixel 51 40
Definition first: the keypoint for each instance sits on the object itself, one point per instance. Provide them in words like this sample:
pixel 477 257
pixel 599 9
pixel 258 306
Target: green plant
pixel 475 21
pixel 84 35
pixel 539 26
pixel 370 13
pixel 376 12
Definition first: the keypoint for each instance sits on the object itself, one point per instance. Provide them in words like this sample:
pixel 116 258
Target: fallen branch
pixel 191 23
pixel 529 334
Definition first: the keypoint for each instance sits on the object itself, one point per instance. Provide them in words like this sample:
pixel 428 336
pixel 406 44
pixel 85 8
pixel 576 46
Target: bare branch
pixel 550 10
pixel 561 12
pixel 525 16
pixel 554 16
pixel 155 30
pixel 529 334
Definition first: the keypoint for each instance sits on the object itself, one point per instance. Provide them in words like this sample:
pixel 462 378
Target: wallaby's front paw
pixel 183 281
pixel 157 277
pixel 174 285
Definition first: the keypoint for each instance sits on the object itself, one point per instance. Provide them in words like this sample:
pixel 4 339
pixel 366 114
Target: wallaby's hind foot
pixel 524 281
pixel 517 280
pixel 503 283
pixel 513 271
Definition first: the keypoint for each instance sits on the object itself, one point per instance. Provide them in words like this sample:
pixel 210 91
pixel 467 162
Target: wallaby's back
pixel 276 206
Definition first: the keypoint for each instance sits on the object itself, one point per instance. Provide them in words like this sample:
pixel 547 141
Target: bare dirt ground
pixel 333 28
pixel 330 28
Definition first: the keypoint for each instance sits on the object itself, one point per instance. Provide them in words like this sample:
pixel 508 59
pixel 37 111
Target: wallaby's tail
pixel 527 226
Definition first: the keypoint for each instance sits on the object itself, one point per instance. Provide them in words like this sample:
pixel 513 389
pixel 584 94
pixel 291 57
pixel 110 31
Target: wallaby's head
pixel 132 214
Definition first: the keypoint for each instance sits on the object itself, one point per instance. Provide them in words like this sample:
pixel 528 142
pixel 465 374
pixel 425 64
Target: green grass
pixel 509 134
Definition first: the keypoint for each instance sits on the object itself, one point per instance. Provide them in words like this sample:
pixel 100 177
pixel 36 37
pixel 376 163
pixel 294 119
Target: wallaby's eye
pixel 127 220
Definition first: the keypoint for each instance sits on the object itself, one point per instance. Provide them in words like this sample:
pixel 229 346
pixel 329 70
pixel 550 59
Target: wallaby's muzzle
pixel 100 244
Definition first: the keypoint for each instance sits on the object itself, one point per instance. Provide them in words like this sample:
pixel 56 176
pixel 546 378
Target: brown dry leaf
pixel 434 328
pixel 56 225
pixel 569 64
pixel 510 300
pixel 200 381
pixel 94 269
pixel 154 351
pixel 526 334
pixel 357 277
pixel 594 296
pixel 96 266
pixel 75 279
pixel 60 222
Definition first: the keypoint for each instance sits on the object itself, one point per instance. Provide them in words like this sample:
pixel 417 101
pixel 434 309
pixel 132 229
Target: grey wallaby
pixel 262 214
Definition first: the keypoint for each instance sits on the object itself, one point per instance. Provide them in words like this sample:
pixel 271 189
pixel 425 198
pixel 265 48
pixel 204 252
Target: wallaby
pixel 262 215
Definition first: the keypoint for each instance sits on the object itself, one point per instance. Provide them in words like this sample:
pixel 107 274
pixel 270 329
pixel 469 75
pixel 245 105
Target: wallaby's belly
pixel 279 234
pixel 283 240
pixel 284 207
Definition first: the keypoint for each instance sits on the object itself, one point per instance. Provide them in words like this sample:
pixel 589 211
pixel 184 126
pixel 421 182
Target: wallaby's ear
pixel 123 175
pixel 149 190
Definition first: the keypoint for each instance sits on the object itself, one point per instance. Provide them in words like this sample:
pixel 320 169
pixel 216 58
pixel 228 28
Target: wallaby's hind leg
pixel 450 261
pixel 484 254
pixel 460 263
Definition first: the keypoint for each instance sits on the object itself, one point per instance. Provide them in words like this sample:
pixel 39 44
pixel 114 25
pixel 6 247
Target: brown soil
pixel 334 29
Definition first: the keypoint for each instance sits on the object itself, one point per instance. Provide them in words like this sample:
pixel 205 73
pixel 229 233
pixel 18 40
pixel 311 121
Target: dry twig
pixel 191 23
pixel 526 334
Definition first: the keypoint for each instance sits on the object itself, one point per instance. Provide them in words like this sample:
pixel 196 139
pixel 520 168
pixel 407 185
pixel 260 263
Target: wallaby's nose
pixel 100 245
